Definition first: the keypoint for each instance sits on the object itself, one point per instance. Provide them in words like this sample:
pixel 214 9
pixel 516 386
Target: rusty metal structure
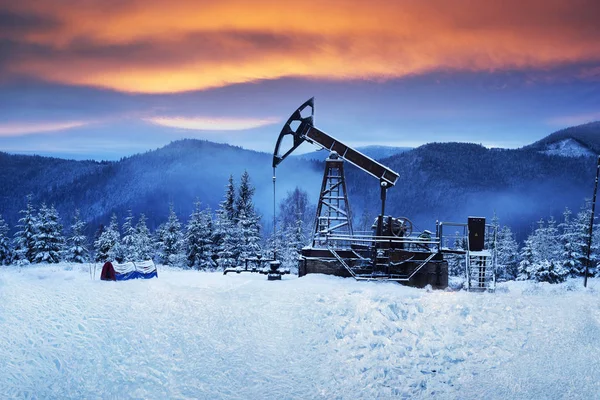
pixel 392 251
pixel 333 209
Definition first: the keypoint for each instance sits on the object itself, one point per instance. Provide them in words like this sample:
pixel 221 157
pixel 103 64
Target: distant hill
pixel 375 152
pixel 451 181
pixel 438 181
pixel 179 172
pixel 581 140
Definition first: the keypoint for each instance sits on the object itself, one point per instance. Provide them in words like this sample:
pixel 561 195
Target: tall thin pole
pixel 274 220
pixel 589 248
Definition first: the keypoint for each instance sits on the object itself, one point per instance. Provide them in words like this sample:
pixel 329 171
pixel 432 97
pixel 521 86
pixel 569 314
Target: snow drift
pixel 202 335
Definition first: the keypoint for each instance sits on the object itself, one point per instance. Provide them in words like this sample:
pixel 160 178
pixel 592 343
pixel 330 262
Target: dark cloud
pixel 18 23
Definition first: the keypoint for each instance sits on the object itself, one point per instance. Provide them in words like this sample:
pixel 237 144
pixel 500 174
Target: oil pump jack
pixel 391 252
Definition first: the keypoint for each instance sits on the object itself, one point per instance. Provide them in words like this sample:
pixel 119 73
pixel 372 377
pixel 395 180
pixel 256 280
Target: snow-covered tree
pixel 553 241
pixel 77 251
pixel 296 206
pixel 570 253
pixel 143 249
pixel 527 260
pixel 489 237
pixel 5 250
pixel 581 228
pixel 247 220
pixel 228 252
pixel 549 271
pixel 107 245
pixel 274 243
pixel 224 218
pixel 24 243
pixel 224 227
pixel 228 205
pixel 507 254
pixel 541 255
pixel 295 222
pixel 248 228
pixel 456 262
pixel 48 239
pixel 198 238
pixel 293 241
pixel 128 248
pixel 545 242
pixel 595 254
pixel 171 241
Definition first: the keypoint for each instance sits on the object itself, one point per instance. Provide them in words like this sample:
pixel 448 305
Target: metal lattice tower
pixel 333 210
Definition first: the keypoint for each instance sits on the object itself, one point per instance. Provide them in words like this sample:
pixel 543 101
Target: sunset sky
pixel 108 78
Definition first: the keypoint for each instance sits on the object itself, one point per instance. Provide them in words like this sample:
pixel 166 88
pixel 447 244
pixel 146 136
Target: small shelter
pixel 129 270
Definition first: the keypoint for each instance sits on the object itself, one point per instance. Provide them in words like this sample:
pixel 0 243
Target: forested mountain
pixel 180 172
pixel 587 136
pixel 450 181
pixel 443 181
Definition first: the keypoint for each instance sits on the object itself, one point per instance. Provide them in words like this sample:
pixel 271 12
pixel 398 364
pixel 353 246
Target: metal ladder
pixel 480 271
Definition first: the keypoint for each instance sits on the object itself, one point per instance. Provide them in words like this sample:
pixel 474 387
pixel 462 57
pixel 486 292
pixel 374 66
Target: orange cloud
pixel 212 124
pixel 157 46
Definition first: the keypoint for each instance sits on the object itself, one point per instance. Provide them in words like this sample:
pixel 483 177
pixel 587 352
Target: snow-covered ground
pixel 201 335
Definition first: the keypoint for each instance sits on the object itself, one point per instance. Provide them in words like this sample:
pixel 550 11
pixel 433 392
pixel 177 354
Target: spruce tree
pixel 24 243
pixel 507 252
pixel 224 256
pixel 206 248
pixel 549 271
pixel 527 260
pixel 570 254
pixel 247 221
pixel 581 229
pixel 249 236
pixel 198 238
pixel 489 234
pixel 172 241
pixel 228 204
pixel 48 239
pixel 456 262
pixel 77 243
pixel 554 248
pixel 5 250
pixel 107 245
pixel 128 239
pixel 541 255
pixel 143 249
pixel 228 253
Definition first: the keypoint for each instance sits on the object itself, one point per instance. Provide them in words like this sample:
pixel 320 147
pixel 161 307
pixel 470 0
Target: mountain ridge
pixel 587 135
pixel 438 181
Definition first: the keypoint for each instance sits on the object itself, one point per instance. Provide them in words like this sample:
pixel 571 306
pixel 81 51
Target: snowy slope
pixel 201 335
pixel 568 148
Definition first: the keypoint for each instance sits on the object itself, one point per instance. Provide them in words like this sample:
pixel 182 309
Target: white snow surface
pixel 189 334
pixel 567 148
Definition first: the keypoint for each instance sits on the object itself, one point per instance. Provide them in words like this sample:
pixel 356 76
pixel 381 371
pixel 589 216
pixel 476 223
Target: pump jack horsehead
pixel 393 251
